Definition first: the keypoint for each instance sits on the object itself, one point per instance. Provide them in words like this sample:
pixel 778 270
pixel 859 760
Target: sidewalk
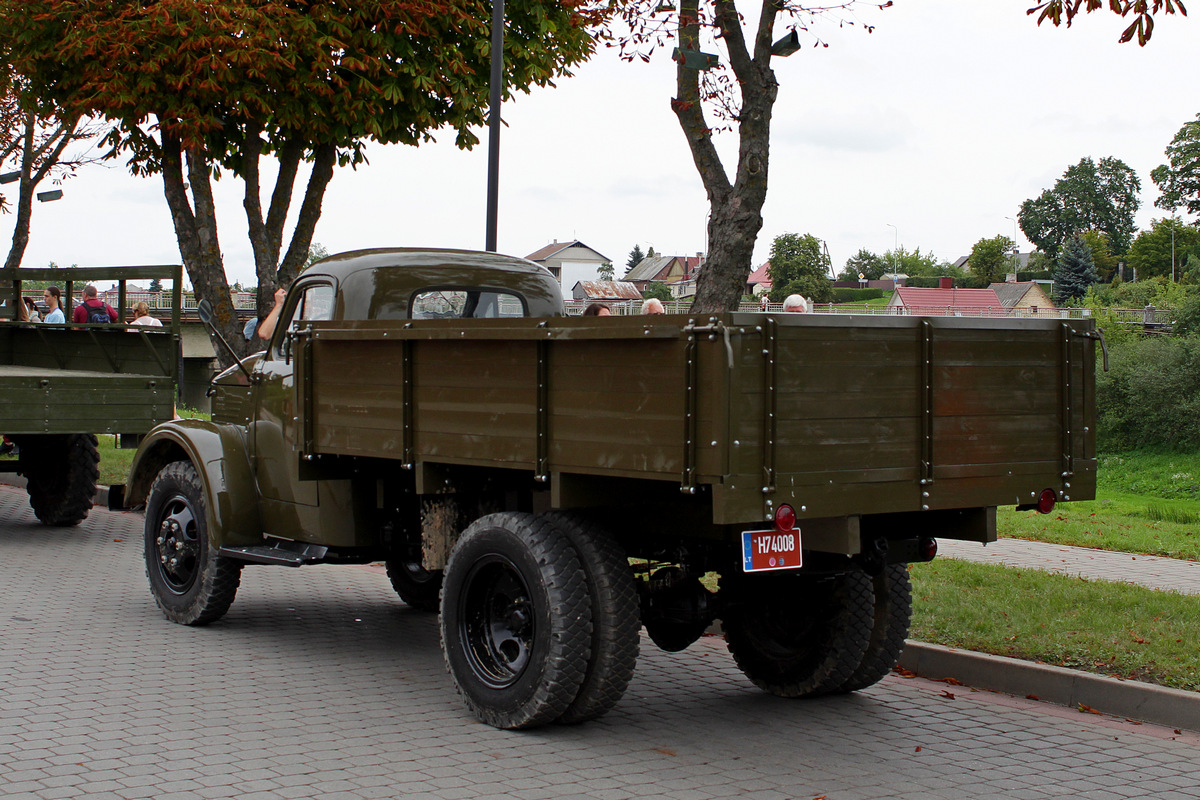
pixel 1164 574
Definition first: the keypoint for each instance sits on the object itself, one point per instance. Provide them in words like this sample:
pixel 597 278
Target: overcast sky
pixel 940 123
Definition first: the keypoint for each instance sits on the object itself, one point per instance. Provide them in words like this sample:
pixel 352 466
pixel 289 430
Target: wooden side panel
pixel 473 401
pixel 618 406
pixel 88 404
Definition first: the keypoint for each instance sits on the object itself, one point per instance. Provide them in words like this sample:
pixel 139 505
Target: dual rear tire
pixel 538 620
pixel 800 636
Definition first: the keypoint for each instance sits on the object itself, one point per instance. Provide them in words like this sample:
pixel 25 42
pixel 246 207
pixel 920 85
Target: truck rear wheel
pixel 61 471
pixel 798 636
pixel 516 620
pixel 615 623
pixel 893 613
pixel 416 586
pixel 190 582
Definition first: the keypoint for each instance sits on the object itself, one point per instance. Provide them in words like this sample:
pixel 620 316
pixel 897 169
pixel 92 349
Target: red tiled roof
pixel 941 300
pixel 760 275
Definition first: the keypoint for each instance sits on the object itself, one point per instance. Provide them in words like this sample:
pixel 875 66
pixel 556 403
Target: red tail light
pixel 785 517
pixel 1046 501
pixel 928 548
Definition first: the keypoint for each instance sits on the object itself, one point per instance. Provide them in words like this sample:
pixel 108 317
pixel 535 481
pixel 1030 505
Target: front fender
pixel 221 457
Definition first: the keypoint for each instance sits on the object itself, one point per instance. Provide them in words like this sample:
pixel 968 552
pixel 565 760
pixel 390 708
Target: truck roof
pixel 434 267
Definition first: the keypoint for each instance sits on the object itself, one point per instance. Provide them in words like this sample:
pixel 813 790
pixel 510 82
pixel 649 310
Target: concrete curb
pixel 1147 702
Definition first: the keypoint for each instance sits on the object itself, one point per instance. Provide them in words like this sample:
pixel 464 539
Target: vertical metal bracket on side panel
pixel 926 408
pixel 541 470
pixel 1068 459
pixel 688 479
pixel 305 342
pixel 407 445
pixel 770 333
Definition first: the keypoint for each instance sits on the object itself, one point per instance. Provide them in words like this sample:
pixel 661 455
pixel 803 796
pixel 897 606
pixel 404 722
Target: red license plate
pixel 767 550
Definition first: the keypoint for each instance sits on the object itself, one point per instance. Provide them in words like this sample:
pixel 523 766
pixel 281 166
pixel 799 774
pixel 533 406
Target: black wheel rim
pixel 496 623
pixel 177 545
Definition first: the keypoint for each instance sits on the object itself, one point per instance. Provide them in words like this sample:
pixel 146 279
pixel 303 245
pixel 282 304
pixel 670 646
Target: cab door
pixel 278 429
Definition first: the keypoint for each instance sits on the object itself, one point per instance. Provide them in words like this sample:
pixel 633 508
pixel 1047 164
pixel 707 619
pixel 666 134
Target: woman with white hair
pixel 795 303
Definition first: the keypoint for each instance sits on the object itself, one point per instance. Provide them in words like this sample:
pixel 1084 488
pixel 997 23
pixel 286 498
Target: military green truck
pixel 65 383
pixel 551 484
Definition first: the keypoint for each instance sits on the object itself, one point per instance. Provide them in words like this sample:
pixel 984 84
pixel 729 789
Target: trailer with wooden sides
pixel 65 383
pixel 550 484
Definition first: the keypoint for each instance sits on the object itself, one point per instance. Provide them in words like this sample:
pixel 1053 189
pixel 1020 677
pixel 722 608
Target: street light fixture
pixel 787 45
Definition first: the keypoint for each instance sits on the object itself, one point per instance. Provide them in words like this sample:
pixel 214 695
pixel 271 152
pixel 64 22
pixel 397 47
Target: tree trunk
pixel 36 164
pixel 736 209
pixel 196 232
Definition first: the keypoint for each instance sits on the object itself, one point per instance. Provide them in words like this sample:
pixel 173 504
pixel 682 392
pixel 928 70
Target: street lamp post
pixel 895 255
pixel 496 92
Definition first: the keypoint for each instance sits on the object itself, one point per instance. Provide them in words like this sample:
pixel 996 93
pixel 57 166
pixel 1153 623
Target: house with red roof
pixel 569 262
pixel 759 281
pixel 947 302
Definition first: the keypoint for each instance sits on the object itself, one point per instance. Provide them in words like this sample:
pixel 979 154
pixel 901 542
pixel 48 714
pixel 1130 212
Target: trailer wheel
pixel 417 586
pixel 190 582
pixel 800 636
pixel 61 471
pixel 615 623
pixel 516 620
pixel 893 613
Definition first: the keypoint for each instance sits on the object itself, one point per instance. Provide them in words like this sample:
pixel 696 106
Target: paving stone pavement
pixel 1167 574
pixel 320 683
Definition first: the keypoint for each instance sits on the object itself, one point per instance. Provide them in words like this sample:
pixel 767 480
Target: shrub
pixel 856 295
pixel 1150 398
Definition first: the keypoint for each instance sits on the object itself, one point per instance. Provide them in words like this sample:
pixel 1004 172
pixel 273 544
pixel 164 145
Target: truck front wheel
pixel 190 582
pixel 61 471
pixel 800 636
pixel 516 620
pixel 416 586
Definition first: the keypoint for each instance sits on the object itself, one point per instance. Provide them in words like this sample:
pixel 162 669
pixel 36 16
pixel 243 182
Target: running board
pixel 289 554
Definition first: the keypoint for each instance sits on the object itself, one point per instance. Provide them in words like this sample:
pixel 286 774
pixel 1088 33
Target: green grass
pixel 1146 502
pixel 1124 523
pixel 1108 628
pixel 1167 476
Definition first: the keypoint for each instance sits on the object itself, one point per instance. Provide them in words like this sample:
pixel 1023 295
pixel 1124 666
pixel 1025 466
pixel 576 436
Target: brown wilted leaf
pixel 1033 697
pixel 947 695
pixel 1089 710
pixel 918 749
pixel 665 751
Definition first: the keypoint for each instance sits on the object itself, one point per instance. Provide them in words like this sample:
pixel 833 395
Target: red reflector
pixel 1046 501
pixel 928 548
pixel 785 517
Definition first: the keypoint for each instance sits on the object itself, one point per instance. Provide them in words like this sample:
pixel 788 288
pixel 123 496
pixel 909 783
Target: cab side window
pixel 315 303
pixel 465 304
